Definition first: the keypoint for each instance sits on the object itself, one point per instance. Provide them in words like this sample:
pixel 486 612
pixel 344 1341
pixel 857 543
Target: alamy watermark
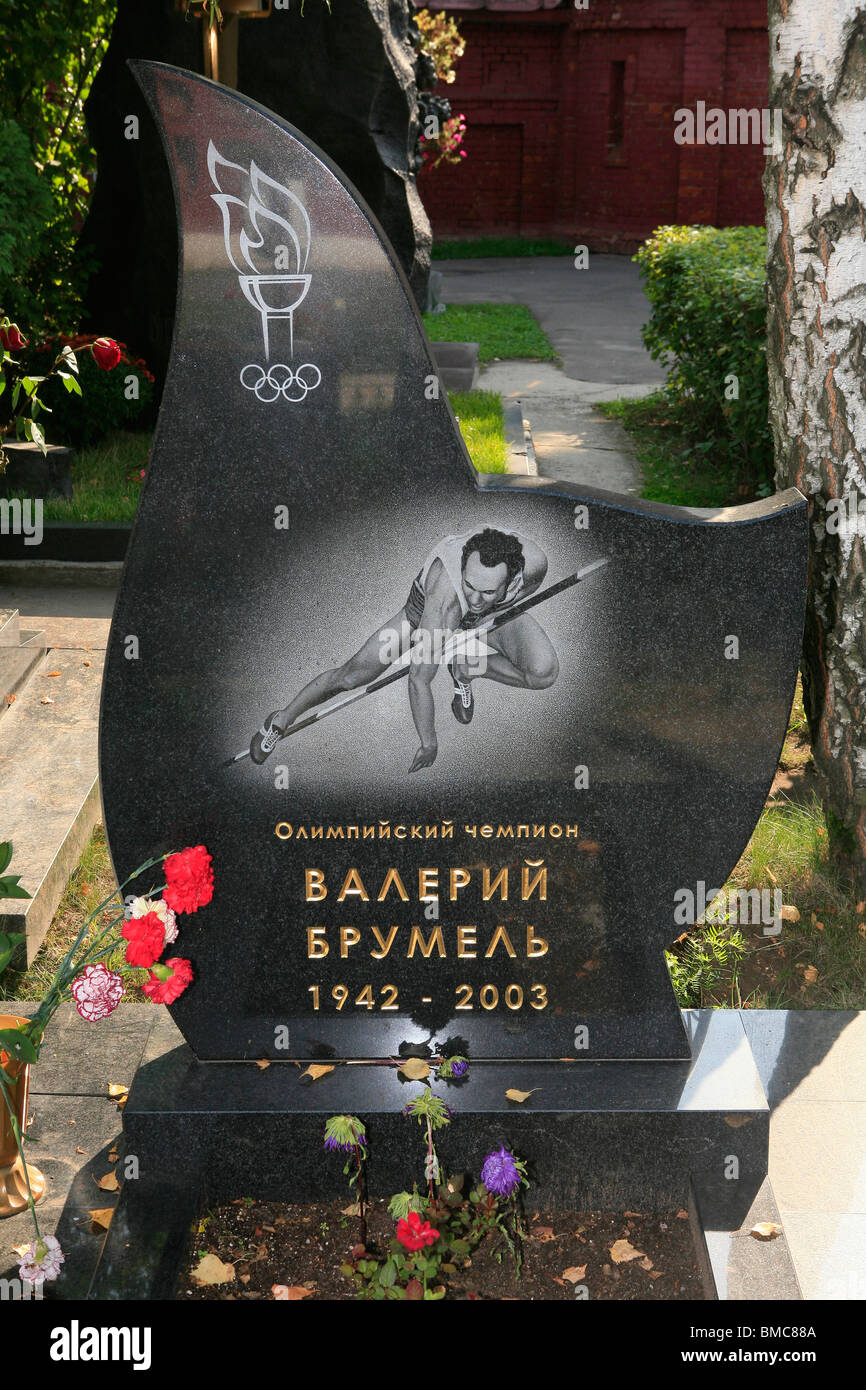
pixel 736 126
pixel 21 518
pixel 741 906
pixel 846 515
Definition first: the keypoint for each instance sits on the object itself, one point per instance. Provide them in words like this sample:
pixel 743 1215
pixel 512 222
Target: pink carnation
pixel 97 992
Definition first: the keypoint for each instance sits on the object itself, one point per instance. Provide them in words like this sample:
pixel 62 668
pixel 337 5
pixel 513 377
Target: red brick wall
pixel 543 96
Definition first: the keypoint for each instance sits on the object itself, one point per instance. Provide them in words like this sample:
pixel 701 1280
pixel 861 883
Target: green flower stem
pixel 16 1130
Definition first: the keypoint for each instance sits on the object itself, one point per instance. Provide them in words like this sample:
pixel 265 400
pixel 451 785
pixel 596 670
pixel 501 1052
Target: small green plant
pixel 710 955
pixel 346 1134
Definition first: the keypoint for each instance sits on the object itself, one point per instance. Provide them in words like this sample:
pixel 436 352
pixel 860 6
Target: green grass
pixel 481 420
pixel 501 330
pixel 819 959
pixel 674 469
pixel 106 481
pixel 501 246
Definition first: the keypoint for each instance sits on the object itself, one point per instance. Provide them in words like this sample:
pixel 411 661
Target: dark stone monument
pixel 349 73
pixel 494 855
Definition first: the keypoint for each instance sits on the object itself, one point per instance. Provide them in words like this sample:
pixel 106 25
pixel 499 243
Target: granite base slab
pixel 602 1135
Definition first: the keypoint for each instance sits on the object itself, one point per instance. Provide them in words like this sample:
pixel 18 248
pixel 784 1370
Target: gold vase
pixel 13 1183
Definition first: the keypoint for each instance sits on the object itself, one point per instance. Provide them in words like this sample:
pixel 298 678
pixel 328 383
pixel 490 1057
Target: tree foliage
pixel 50 52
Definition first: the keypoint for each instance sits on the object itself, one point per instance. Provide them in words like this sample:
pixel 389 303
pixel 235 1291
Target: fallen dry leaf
pixel 655 1273
pixel 116 1091
pixel 765 1230
pixel 638 1214
pixel 542 1233
pixel 574 1273
pixel 101 1218
pixel 290 1292
pixel 513 1094
pixel 789 913
pixel 353 1210
pixel 622 1250
pixel 47 674
pixel 262 1063
pixel 10 699
pixel 646 1263
pixel 414 1069
pixel 682 1216
pixel 810 974
pixel 108 1182
pixel 245 1278
pixel 79 1150
pixel 112 1155
pixel 314 1071
pixel 87 663
pixel 861 906
pixel 20 1249
pixel 46 700
pixel 212 1270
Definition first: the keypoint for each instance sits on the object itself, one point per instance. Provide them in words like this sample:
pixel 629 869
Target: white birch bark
pixel 816 357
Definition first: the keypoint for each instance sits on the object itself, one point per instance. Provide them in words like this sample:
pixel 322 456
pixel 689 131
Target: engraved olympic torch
pixel 262 221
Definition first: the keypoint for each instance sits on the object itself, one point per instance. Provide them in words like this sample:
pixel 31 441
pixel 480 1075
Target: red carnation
pixel 415 1233
pixel 146 937
pixel 11 338
pixel 168 981
pixel 188 880
pixel 106 353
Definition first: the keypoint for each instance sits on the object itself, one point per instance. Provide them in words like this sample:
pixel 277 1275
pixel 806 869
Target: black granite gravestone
pixel 493 854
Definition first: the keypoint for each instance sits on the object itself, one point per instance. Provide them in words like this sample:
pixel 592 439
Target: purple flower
pixel 459 1068
pixel 500 1173
pixel 344 1133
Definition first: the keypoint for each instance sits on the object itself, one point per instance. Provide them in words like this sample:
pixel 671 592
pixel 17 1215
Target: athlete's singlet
pixel 450 554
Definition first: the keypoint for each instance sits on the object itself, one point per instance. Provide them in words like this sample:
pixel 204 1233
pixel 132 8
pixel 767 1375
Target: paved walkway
pixel 593 318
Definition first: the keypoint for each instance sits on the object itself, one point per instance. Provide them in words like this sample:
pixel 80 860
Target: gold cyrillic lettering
pixel 535 945
pixel 349 936
pixel 458 878
pixel 385 945
pixel 500 935
pixel 500 882
pixel 417 939
pixel 317 946
pixel 466 937
pixel 315 885
pixel 392 876
pixel 353 887
pixel 539 881
pixel 283 830
pixel 428 884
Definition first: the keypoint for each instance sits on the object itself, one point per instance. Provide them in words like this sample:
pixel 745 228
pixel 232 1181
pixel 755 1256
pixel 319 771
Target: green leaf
pixel 388 1274
pixel 9 943
pixel 37 436
pixel 18 1045
pixel 5 855
pixel 11 888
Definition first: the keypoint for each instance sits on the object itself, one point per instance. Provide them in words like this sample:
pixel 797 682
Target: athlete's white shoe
pixel 463 703
pixel 265 740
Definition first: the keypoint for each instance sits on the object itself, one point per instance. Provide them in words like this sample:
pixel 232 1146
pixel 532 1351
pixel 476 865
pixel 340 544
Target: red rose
pixel 11 338
pixel 188 880
pixel 146 937
pixel 168 981
pixel 415 1233
pixel 106 353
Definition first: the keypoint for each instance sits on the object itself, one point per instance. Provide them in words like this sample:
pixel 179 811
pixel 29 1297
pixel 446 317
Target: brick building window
pixel 616 113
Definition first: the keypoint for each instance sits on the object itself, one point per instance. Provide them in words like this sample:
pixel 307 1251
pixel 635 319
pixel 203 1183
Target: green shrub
pixel 24 208
pixel 103 405
pixel 708 328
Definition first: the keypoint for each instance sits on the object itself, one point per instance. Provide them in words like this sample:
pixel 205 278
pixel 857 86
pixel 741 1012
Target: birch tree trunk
pixel 816 357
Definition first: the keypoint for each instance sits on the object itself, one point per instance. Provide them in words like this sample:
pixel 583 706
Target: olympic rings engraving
pixel 278 381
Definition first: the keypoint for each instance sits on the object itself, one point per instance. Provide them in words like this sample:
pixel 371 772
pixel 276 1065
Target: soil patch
pixel 302 1248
